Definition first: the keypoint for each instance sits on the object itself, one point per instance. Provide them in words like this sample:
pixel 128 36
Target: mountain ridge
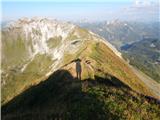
pixel 75 43
pixel 39 80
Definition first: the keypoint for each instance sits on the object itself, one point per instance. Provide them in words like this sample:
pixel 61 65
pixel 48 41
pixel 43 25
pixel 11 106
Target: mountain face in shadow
pixel 64 97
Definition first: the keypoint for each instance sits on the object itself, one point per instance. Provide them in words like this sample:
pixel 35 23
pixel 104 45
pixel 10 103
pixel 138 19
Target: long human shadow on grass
pixel 60 96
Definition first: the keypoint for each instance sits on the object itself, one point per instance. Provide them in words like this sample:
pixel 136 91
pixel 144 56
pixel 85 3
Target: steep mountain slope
pixel 136 35
pixel 32 49
pixel 145 55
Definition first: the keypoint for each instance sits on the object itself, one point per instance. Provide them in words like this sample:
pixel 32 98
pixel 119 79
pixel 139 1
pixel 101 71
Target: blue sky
pixel 62 1
pixel 71 10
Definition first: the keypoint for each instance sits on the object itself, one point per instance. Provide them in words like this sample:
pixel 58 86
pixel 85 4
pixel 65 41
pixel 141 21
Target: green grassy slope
pixel 103 61
pixel 143 56
pixel 18 81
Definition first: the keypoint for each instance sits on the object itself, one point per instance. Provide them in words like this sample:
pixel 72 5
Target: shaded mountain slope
pixel 64 97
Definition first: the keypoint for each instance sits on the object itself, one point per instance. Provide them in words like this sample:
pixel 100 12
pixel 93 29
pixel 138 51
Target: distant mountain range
pixel 39 75
pixel 120 33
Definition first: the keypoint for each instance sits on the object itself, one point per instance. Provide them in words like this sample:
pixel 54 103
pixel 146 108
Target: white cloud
pixel 142 10
pixel 145 3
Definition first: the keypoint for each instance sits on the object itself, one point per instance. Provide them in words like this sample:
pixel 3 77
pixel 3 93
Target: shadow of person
pixel 59 97
pixel 78 68
pixel 50 92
